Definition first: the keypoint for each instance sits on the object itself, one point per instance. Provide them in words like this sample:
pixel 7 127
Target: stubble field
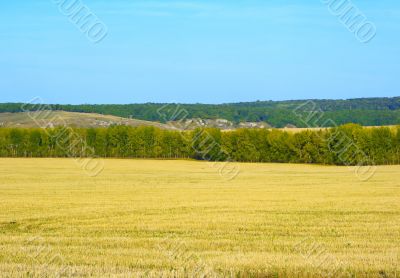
pixel 147 218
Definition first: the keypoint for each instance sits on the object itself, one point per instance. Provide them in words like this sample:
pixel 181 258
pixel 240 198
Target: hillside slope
pixel 364 111
pixel 58 118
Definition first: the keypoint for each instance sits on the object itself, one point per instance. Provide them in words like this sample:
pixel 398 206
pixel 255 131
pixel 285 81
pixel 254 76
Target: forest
pixel 349 144
pixel 364 111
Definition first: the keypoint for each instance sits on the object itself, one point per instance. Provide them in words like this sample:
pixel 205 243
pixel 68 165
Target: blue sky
pixel 196 51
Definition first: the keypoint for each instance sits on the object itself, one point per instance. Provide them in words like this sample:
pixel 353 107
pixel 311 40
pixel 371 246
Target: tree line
pixel 344 145
pixel 365 111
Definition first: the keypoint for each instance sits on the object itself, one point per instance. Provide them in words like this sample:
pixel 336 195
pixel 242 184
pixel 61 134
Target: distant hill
pixel 363 111
pixel 59 118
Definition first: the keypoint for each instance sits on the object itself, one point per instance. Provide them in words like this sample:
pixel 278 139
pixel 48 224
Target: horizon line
pixel 200 103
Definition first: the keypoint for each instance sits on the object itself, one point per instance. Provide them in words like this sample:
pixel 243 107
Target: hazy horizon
pixel 40 100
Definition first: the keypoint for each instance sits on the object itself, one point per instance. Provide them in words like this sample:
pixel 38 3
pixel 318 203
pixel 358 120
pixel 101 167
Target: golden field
pixel 147 218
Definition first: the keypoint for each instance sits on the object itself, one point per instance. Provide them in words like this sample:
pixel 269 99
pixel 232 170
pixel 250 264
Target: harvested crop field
pixel 147 218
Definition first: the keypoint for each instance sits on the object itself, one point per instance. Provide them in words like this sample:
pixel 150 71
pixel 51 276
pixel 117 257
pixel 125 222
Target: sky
pixel 196 51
